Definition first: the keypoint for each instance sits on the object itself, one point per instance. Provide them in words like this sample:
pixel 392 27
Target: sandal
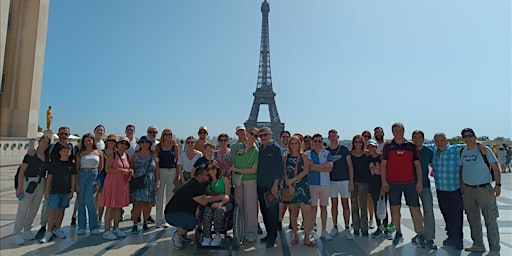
pixel 311 244
pixel 294 241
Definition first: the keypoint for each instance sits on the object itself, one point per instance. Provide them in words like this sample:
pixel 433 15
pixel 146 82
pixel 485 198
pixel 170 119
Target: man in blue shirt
pixel 479 194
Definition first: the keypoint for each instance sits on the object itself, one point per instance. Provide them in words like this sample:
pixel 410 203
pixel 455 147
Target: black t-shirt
pixel 61 172
pixel 340 167
pixel 183 201
pixel 375 181
pixel 201 161
pixel 36 166
pixel 361 166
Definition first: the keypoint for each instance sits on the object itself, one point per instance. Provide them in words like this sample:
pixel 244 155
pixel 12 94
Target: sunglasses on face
pixel 111 140
pixel 152 132
pixel 130 130
pixel 466 136
pixel 168 134
pixel 358 141
pixel 124 143
pixel 63 133
pixel 253 134
pixel 263 135
pixel 367 136
pixel 202 133
pixel 223 140
pixel 190 142
pixel 144 141
pixel 211 168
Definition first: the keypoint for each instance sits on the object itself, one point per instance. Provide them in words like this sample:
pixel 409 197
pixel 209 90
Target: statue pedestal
pixel 49 134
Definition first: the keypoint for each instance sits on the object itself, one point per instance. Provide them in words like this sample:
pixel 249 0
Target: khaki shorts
pixel 319 193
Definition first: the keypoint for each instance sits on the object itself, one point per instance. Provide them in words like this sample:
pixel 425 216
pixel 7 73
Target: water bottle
pixel 20 196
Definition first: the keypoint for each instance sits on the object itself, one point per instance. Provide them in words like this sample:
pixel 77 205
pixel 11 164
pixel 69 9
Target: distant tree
pixel 456 140
pixel 483 138
pixel 499 139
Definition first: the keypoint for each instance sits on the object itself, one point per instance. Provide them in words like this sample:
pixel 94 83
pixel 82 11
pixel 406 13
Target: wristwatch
pixel 498 184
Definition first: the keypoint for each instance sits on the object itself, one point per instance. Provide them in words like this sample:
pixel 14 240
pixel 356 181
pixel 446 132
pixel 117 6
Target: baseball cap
pixel 240 127
pixel 372 142
pixel 202 128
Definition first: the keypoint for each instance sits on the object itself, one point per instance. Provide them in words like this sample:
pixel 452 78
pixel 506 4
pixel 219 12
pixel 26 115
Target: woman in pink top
pixel 116 190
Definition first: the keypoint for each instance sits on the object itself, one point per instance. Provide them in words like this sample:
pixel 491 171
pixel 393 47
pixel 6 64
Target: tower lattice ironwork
pixel 264 93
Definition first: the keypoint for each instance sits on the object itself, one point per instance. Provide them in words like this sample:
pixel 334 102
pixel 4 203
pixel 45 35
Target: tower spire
pixel 264 93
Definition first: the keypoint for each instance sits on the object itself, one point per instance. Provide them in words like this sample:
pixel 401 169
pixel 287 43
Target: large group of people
pixel 109 175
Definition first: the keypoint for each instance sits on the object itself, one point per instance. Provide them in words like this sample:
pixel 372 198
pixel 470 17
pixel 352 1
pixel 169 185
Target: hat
pixel 240 127
pixel 467 130
pixel 111 137
pixel 122 138
pixel 144 139
pixel 372 142
pixel 202 128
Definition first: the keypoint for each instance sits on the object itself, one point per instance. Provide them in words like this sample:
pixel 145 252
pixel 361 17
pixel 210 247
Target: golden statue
pixel 49 117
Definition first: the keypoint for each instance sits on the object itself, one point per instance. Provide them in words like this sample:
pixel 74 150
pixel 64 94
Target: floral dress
pixel 145 166
pixel 302 195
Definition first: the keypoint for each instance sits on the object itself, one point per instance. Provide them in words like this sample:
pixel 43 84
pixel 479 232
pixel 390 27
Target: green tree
pixel 456 140
pixel 499 139
pixel 483 138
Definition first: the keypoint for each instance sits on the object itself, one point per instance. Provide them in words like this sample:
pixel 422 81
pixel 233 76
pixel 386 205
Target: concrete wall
pixel 12 150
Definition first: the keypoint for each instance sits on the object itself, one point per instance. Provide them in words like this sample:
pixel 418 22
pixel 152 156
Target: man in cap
pixel 479 193
pixel 240 132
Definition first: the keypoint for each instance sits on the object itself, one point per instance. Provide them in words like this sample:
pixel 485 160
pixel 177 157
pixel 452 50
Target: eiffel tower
pixel 264 93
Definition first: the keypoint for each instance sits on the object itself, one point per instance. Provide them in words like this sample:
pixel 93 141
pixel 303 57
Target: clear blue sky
pixel 349 65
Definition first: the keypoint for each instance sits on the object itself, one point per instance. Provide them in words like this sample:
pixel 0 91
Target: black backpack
pixel 485 160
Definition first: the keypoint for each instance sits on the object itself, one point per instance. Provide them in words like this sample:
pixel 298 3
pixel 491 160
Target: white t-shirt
pixel 188 164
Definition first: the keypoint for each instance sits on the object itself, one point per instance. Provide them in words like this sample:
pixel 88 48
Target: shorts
pixel 409 190
pixel 319 193
pixel 58 201
pixel 339 188
pixel 184 220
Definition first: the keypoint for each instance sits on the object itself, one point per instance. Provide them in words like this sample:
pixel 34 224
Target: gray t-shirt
pixel 474 169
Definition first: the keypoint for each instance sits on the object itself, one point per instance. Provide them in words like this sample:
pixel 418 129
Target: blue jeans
pixel 184 220
pixel 86 183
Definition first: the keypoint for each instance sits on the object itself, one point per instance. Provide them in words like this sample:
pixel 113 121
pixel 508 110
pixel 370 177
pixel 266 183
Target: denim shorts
pixel 184 220
pixel 58 201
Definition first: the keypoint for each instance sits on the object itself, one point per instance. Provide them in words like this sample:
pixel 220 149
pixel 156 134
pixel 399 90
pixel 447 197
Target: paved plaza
pixel 157 241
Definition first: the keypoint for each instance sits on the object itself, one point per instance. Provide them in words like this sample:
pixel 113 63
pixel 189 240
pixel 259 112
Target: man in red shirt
pixel 400 159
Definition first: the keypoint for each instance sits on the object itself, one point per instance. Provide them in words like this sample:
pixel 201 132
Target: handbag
pixel 288 193
pixel 139 182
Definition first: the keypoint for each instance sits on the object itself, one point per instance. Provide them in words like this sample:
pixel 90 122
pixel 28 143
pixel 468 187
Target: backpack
pixel 485 160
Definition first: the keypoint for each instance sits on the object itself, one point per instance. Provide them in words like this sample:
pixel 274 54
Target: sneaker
pixel 377 233
pixel 431 245
pixel 134 229
pixel 18 239
pixel 493 253
pixel 356 232
pixel 388 235
pixel 145 227
pixel 413 239
pixel 109 235
pixel 334 231
pixel 178 243
pixel 73 221
pixel 80 232
pixel 151 220
pixel 47 237
pixel 455 243
pixel 398 238
pixel 372 225
pixel 59 233
pixel 95 231
pixel 420 240
pixel 28 235
pixel 215 241
pixel 40 233
pixel 391 227
pixel 119 233
pixel 165 225
pixel 348 234
pixel 271 243
pixel 326 235
pixel 364 233
pixel 475 249
pixel 206 241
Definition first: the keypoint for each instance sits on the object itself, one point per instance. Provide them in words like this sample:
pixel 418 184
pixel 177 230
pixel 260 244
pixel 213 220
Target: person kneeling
pixel 181 209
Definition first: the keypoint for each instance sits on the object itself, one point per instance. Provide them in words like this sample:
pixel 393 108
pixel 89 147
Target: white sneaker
pixel 334 232
pixel 28 235
pixel 165 225
pixel 47 237
pixel 206 241
pixel 326 236
pixel 215 241
pixel 348 234
pixel 178 243
pixel 109 235
pixel 312 234
pixel 80 232
pixel 59 233
pixel 95 231
pixel 18 239
pixel 118 232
